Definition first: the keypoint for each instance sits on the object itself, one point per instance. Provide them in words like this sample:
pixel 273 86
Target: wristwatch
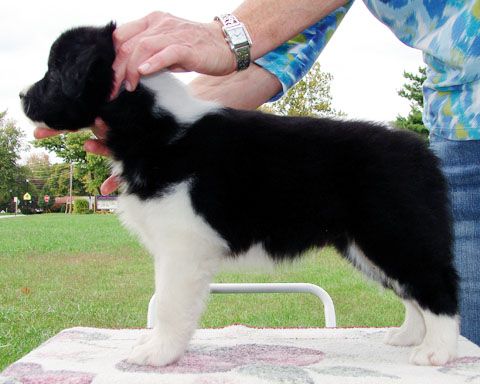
pixel 237 38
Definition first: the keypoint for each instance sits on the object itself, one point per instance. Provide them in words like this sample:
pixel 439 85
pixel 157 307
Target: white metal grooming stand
pixel 329 309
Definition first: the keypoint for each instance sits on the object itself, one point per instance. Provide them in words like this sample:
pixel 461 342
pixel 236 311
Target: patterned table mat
pixel 238 355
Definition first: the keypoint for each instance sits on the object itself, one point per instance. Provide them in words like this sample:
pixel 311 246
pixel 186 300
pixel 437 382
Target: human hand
pixel 162 41
pixel 96 146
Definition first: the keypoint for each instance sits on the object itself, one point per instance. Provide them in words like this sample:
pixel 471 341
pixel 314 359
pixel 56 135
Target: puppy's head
pixel 78 81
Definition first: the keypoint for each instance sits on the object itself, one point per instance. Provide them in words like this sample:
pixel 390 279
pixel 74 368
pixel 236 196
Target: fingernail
pixel 128 86
pixel 144 67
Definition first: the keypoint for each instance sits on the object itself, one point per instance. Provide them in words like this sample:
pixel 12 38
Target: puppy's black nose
pixel 21 95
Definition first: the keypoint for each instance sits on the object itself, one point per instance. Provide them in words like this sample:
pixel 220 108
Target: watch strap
pixel 240 50
pixel 242 55
pixel 228 20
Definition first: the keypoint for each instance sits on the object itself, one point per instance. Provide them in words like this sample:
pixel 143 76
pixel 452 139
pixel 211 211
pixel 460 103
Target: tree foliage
pixel 90 170
pixel 10 147
pixel 309 97
pixel 39 167
pixel 94 172
pixel 68 147
pixel 58 183
pixel 412 90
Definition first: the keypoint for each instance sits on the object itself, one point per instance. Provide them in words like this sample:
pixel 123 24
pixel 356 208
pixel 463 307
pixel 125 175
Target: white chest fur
pixel 169 222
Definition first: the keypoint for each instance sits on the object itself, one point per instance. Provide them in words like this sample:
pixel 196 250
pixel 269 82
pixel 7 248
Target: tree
pixel 309 97
pixel 40 168
pixel 91 170
pixel 68 147
pixel 10 147
pixel 59 182
pixel 412 90
pixel 94 173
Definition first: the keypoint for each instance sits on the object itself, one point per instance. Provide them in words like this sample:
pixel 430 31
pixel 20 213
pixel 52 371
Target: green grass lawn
pixel 59 271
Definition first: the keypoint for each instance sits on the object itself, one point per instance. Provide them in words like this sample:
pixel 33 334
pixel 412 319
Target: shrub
pixel 80 206
pixel 26 210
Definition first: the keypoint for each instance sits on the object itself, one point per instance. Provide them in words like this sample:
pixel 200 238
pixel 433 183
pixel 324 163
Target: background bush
pixel 80 206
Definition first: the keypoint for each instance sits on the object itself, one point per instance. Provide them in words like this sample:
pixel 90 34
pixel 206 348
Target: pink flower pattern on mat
pixel 465 367
pixel 32 373
pixel 204 359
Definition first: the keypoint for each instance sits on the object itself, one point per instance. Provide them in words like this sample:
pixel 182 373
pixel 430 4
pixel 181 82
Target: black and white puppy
pixel 203 183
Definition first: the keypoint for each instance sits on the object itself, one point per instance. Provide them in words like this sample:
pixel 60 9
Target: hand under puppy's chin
pixel 42 131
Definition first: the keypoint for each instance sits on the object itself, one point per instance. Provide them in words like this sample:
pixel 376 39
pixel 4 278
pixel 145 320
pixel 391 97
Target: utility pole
pixel 70 189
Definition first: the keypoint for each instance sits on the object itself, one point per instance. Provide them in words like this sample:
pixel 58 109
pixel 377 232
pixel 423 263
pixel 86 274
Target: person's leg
pixel 461 165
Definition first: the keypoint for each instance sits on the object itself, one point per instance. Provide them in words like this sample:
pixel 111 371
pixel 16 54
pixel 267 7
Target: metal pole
pixel 70 189
pixel 329 309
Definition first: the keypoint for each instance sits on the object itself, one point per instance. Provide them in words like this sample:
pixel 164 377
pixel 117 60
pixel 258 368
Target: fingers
pixel 145 47
pixel 128 53
pixel 124 38
pixel 128 30
pixel 43 132
pixel 159 41
pixel 100 128
pixel 172 56
pixel 96 147
pixel 110 185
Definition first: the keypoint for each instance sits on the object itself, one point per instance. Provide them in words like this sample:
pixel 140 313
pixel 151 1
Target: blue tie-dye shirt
pixel 448 33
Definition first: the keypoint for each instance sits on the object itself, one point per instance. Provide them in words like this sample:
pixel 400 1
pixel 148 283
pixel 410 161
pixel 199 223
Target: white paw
pixel 147 335
pixel 155 352
pixel 432 355
pixel 404 337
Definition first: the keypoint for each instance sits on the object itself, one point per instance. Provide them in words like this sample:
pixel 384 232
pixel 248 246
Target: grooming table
pixel 239 355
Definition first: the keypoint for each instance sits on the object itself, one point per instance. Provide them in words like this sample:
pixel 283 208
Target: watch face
pixel 237 35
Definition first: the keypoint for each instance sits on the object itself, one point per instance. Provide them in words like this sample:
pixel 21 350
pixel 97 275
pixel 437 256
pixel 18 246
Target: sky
pixel 364 57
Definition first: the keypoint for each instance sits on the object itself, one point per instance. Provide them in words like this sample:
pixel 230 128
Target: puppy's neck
pixel 174 97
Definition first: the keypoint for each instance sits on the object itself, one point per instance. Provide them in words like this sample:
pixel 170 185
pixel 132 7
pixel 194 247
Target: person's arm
pixel 293 59
pixel 247 89
pixel 273 22
pixel 284 66
pixel 160 40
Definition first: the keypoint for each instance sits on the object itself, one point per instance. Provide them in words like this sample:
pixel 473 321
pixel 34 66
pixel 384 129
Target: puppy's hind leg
pixel 183 272
pixel 436 296
pixel 412 331
pixel 440 343
pixel 430 294
pixel 434 335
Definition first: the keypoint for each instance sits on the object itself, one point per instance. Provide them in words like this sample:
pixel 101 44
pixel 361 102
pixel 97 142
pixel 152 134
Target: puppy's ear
pixel 109 28
pixel 92 65
pixel 74 77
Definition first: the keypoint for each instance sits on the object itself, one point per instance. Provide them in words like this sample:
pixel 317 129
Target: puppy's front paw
pixel 147 335
pixel 404 337
pixel 155 352
pixel 426 354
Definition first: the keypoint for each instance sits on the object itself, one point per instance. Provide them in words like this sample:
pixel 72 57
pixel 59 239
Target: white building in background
pixel 106 203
